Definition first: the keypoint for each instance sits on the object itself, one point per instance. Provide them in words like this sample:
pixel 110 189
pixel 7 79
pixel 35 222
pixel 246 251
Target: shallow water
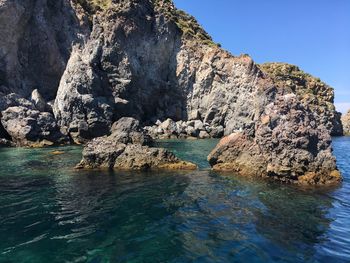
pixel 51 213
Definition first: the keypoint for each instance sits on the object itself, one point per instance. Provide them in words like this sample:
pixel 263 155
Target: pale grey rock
pixel 128 131
pixel 203 135
pixel 169 126
pixel 30 127
pixel 35 43
pixel 39 102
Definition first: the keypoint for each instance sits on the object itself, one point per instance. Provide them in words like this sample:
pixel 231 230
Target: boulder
pixel 216 132
pixel 169 127
pixel 128 130
pixel 203 135
pixel 30 127
pixel 127 149
pixel 288 145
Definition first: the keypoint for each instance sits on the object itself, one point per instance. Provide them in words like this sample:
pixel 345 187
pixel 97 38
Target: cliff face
pixel 310 90
pixel 145 60
pixel 36 37
pixel 142 58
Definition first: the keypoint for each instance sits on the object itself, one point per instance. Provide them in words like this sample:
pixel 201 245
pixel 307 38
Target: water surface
pixel 51 213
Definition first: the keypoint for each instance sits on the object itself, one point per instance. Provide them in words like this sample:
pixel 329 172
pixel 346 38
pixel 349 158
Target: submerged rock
pixel 346 123
pixel 127 149
pixel 287 145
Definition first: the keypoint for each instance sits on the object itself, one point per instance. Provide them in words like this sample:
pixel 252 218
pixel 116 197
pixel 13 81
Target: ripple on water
pixel 51 213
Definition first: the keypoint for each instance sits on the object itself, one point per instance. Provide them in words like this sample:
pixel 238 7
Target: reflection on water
pixel 51 213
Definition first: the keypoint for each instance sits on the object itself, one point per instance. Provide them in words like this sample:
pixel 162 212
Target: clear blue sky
pixel 313 34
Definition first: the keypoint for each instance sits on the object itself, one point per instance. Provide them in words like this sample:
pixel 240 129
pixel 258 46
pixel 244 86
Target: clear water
pixel 52 213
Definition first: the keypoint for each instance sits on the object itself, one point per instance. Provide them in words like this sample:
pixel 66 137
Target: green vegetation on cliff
pixel 189 26
pixel 92 6
pixel 306 86
pixel 311 91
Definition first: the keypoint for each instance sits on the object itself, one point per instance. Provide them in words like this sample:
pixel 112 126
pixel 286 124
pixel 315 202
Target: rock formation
pixel 25 125
pixel 311 91
pixel 127 149
pixel 288 145
pixel 346 123
pixel 107 59
pixel 35 44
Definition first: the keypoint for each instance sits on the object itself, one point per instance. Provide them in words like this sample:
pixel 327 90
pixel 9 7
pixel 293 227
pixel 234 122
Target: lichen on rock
pixel 311 91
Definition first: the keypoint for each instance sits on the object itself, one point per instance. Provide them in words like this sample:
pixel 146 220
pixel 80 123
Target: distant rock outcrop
pixel 346 123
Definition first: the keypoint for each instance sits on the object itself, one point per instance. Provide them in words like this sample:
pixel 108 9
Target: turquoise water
pixel 51 213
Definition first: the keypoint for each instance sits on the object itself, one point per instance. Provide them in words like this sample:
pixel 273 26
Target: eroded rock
pixel 30 127
pixel 310 90
pixel 127 149
pixel 288 145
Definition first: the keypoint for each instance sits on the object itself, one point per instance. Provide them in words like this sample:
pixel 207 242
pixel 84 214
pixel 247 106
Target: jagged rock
pixel 169 126
pixel 160 70
pixel 346 123
pixel 311 91
pixel 187 77
pixel 138 157
pixel 126 148
pixel 128 130
pixel 287 145
pixel 106 153
pixel 143 59
pixel 29 127
pixel 13 100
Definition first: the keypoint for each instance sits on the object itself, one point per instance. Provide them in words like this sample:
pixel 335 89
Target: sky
pixel 313 34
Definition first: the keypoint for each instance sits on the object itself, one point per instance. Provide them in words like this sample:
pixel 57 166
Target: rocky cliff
pixel 310 90
pixel 137 58
pixel 101 60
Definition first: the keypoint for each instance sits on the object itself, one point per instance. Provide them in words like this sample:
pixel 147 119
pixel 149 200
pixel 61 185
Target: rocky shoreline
pixel 114 75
